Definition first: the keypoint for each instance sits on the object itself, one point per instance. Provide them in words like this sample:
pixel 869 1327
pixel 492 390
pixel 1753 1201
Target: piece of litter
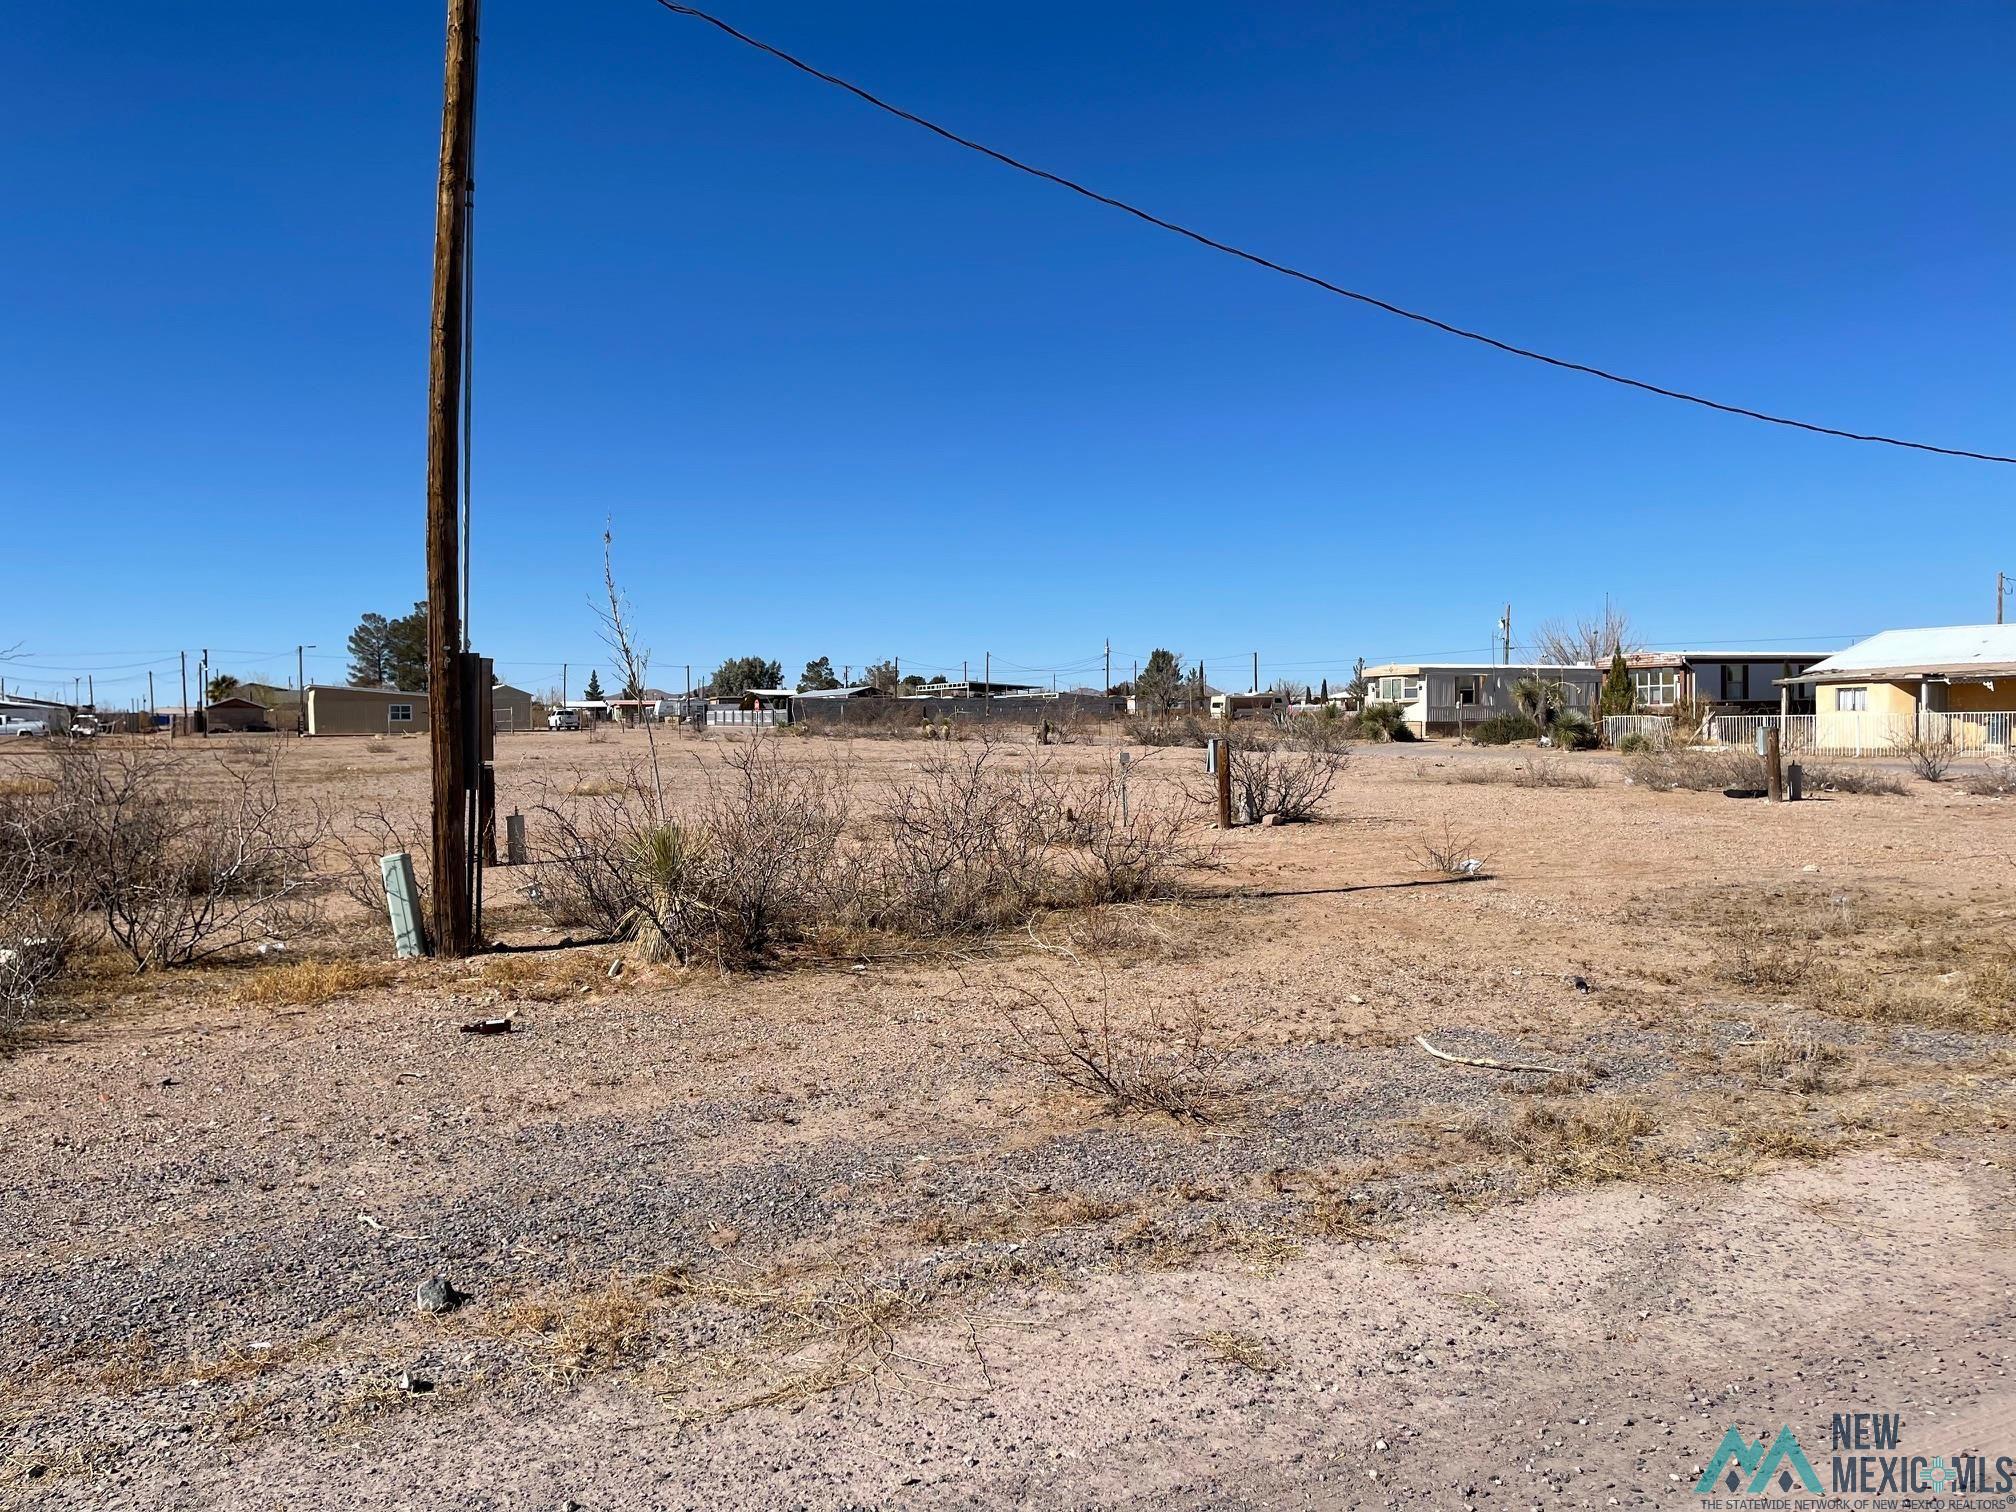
pixel 489 1026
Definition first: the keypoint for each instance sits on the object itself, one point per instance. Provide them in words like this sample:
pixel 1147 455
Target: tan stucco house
pixel 1954 682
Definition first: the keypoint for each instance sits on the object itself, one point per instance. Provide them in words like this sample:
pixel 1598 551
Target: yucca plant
pixel 669 859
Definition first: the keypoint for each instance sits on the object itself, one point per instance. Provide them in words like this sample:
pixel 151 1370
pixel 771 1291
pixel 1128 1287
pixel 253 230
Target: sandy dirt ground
pixel 809 1237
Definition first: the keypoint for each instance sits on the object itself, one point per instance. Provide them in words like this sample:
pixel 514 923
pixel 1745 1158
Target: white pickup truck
pixel 12 728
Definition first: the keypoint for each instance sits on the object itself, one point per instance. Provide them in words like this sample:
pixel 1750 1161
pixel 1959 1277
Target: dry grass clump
pixel 1233 1346
pixel 1179 1065
pixel 1685 769
pixel 305 983
pixel 1796 1059
pixel 1019 1215
pixel 1765 957
pixel 1869 781
pixel 584 1331
pixel 1590 1139
pixel 1543 769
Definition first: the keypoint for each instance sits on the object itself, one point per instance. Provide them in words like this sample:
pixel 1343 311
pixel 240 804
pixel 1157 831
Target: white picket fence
pixel 1835 734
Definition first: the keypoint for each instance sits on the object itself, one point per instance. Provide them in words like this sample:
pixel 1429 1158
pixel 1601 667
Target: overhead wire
pixel 1375 302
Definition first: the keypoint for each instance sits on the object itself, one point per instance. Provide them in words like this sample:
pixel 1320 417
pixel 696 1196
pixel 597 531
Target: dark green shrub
pixel 1503 729
pixel 1574 731
pixel 1381 721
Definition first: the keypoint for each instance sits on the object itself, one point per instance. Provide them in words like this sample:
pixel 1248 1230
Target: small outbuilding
pixel 335 710
pixel 236 713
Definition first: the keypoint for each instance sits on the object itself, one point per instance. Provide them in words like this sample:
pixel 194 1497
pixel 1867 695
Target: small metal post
pixel 514 838
pixel 402 902
pixel 1795 782
pixel 1125 762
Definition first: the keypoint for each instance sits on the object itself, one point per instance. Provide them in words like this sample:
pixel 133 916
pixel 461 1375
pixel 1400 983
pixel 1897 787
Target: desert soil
pixel 810 1238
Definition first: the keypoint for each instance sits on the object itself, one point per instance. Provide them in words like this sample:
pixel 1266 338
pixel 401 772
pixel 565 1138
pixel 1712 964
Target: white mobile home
pixel 1447 698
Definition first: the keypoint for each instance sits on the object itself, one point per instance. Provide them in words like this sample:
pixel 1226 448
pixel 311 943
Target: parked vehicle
pixel 84 727
pixel 564 719
pixel 21 729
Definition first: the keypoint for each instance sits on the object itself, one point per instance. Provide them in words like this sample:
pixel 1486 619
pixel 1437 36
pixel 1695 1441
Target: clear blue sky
pixel 849 391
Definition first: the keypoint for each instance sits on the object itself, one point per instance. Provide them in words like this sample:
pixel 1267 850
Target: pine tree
pixel 1618 696
pixel 370 652
pixel 594 688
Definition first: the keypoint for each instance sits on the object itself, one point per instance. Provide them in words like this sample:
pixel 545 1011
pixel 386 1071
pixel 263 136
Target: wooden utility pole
pixel 150 700
pixel 185 695
pixel 2000 579
pixel 300 693
pixel 448 735
pixel 1774 767
pixel 1221 769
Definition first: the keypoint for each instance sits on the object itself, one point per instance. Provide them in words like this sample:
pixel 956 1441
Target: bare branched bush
pixel 1170 728
pixel 753 869
pixel 1996 780
pixel 1181 1064
pixel 1453 852
pixel 179 870
pixel 1929 755
pixel 41 908
pixel 1678 769
pixel 1326 728
pixel 1270 781
pixel 988 835
pixel 353 850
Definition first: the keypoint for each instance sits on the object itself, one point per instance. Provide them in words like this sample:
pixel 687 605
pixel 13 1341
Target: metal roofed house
pixel 1953 682
pixel 1446 698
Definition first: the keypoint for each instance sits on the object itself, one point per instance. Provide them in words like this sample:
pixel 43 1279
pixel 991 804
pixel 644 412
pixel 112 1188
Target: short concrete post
pixel 514 838
pixel 402 901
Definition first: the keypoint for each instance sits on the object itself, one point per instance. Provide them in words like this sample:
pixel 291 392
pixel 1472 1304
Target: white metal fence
pixel 1831 734
pixel 747 717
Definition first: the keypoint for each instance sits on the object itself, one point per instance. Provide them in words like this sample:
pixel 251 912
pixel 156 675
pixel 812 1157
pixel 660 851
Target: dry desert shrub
pixel 176 870
pixel 752 869
pixel 986 837
pixel 377 829
pixel 1996 780
pixel 1543 769
pixel 1793 1058
pixel 1928 755
pixel 1453 852
pixel 42 901
pixel 1271 779
pixel 1182 1065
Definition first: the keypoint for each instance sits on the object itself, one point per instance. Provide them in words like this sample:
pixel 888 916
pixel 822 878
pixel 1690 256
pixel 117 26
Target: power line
pixel 1310 278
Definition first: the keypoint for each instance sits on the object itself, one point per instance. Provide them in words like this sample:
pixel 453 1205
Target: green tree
pixel 1324 696
pixel 594 688
pixel 371 652
pixel 1360 685
pixel 222 685
pixel 1160 685
pixel 406 651
pixel 1618 695
pixel 818 676
pixel 739 674
pixel 881 675
pixel 912 682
